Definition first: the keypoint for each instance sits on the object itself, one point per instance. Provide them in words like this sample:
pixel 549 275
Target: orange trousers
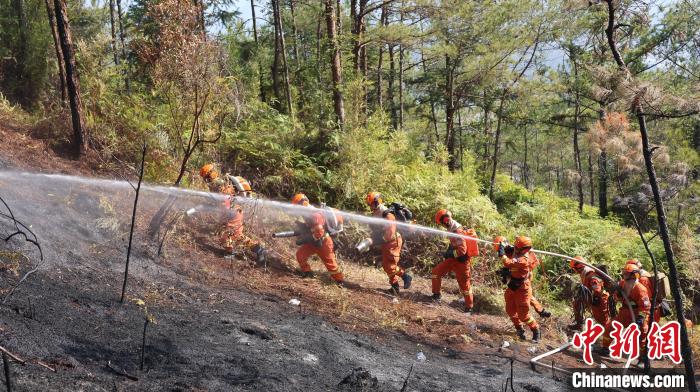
pixel 518 306
pixel 462 273
pixel 391 254
pixel 325 253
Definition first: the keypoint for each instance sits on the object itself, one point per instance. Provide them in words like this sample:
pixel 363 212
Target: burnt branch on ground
pixel 22 230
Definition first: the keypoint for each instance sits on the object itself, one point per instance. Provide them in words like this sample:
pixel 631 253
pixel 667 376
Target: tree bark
pixel 686 350
pixel 526 173
pixel 297 57
pixel 73 82
pixel 257 49
pixel 283 50
pixel 383 20
pixel 390 89
pixel 59 54
pixel 577 114
pixel 276 87
pixel 113 31
pixel 591 182
pixel 499 121
pixel 450 107
pixel 401 108
pixel 22 92
pixel 336 70
pixel 603 184
pixel 122 38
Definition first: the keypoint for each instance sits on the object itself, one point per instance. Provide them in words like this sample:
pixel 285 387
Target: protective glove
pixel 449 253
pixel 463 258
pixel 509 249
pixel 504 274
pixel 639 320
pixel 501 249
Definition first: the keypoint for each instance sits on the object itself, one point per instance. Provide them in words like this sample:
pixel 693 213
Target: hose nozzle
pixel 284 234
pixel 364 245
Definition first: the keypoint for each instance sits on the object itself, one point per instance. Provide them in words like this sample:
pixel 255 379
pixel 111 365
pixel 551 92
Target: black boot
pixel 521 333
pixel 436 297
pixel 535 335
pixel 394 289
pixel 407 280
pixel 307 274
pixel 545 313
pixel 260 255
pixel 467 310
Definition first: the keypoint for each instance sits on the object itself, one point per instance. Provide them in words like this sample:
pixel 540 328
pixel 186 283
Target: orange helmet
pixel 471 232
pixel 441 214
pixel 207 172
pixel 522 242
pixel 373 198
pixel 631 269
pixel 300 199
pixel 574 263
pixel 634 262
pixel 242 185
pixel 497 241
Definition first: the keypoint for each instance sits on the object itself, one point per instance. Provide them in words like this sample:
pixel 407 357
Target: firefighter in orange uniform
pixel 591 294
pixel 232 186
pixel 534 302
pixel 638 296
pixel 519 291
pixel 390 241
pixel 646 279
pixel 314 239
pixel 457 258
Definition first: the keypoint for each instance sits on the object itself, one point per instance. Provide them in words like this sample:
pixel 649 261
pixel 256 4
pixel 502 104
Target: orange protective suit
pixel 641 304
pixel 315 241
pixel 391 243
pixel 598 302
pixel 460 263
pixel 646 280
pixel 232 236
pixel 518 295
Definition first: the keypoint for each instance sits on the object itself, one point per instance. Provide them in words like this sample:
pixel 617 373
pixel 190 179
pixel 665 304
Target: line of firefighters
pixel 316 231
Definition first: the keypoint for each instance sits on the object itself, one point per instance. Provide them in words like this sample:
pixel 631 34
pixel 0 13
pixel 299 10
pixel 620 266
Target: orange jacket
pixel 593 282
pixel 521 267
pixel 388 232
pixel 235 220
pixel 639 298
pixel 459 244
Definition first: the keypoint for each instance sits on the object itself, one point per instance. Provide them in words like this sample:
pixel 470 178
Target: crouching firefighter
pixel 232 236
pixel 315 232
pixel 639 303
pixel 505 275
pixel 519 291
pixel 457 258
pixel 590 294
pixel 388 238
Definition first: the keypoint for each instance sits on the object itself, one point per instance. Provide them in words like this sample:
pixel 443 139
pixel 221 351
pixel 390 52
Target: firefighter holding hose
pixel 315 232
pixel 591 294
pixel 457 258
pixel 232 236
pixel 518 294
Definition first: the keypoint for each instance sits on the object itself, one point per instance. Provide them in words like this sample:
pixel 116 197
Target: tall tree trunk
pixel 577 114
pixel 297 58
pixel 499 121
pixel 384 21
pixel 276 87
pixel 59 54
pixel 283 50
pixel 450 108
pixel 525 168
pixel 401 109
pixel 202 22
pixel 591 182
pixel 122 38
pixel 686 350
pixel 73 82
pixel 113 31
pixel 390 89
pixel 603 184
pixel 22 92
pixel 336 70
pixel 257 49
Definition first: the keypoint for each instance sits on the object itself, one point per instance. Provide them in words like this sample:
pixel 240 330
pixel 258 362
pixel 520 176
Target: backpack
pixel 334 221
pixel 400 211
pixel 663 286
